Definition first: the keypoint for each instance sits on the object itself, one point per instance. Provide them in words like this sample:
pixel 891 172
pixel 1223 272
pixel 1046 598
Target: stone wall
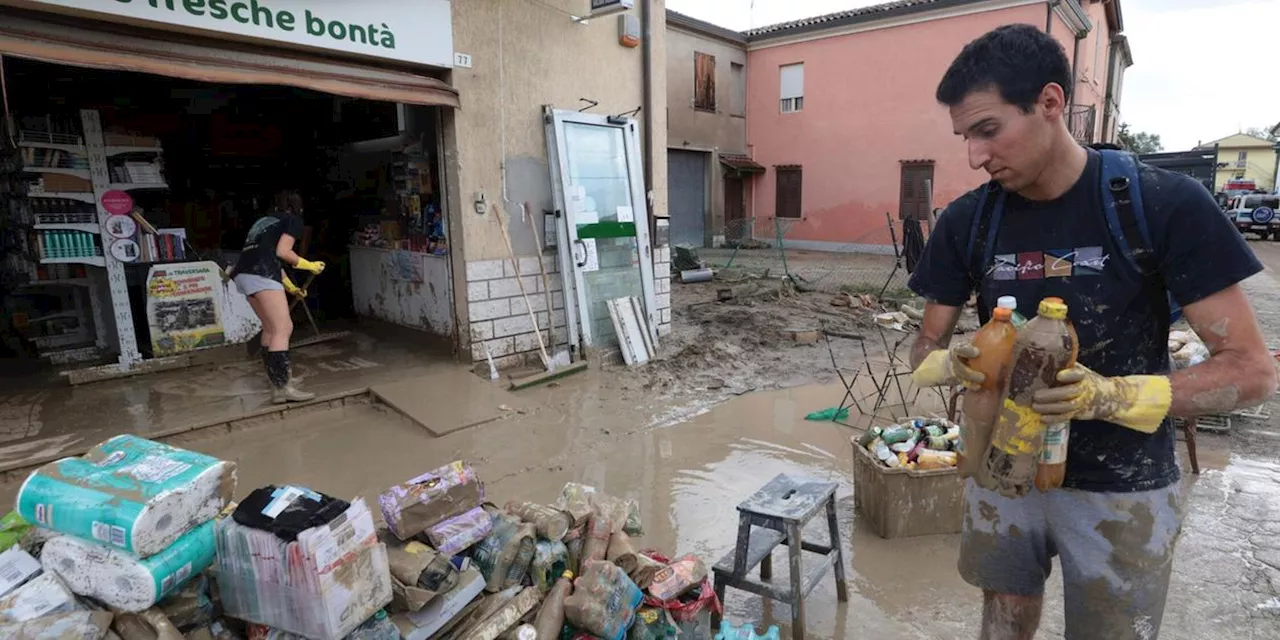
pixel 499 320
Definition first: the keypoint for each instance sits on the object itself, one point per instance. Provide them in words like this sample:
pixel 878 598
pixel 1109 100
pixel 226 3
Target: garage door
pixel 687 193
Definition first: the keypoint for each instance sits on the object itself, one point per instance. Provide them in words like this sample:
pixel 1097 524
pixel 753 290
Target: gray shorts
pixel 1116 551
pixel 250 284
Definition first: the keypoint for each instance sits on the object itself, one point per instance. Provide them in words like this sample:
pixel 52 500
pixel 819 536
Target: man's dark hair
pixel 1017 60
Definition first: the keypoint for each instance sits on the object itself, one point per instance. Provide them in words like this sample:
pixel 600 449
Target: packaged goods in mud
pixel 920 443
pixel 128 493
pixel 293 563
pixel 414 506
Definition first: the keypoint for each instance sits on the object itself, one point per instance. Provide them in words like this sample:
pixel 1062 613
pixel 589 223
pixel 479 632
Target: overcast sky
pixel 1204 69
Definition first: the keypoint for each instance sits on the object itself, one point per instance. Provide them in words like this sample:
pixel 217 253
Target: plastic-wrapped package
pixel 44 595
pixel 550 560
pixel 77 625
pixel 322 586
pixel 551 523
pixel 582 500
pixel 451 536
pixel 604 601
pixel 128 493
pixel 678 577
pixel 415 506
pixel 126 582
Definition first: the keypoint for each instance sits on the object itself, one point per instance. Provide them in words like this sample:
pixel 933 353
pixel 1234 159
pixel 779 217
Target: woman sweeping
pixel 260 276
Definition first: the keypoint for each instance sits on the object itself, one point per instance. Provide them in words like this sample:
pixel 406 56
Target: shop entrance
pixel 188 167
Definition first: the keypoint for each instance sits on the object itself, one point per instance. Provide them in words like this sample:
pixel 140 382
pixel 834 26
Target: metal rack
pixel 107 290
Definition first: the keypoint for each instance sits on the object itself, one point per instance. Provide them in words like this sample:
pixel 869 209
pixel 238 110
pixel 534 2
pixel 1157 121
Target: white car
pixel 1255 213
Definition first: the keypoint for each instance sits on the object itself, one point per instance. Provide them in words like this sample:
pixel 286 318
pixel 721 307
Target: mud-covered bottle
pixel 1045 346
pixel 550 618
pixel 1052 470
pixel 994 342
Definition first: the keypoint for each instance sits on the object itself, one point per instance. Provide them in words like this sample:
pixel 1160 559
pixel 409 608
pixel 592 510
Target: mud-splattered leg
pixel 1006 617
pixel 1117 555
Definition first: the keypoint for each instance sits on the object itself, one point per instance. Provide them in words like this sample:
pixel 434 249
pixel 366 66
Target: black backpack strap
pixel 1122 198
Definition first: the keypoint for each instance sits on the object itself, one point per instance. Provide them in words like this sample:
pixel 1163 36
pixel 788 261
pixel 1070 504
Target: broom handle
pixel 515 264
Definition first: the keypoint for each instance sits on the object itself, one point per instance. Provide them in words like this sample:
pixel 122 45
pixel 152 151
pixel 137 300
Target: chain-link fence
pixel 875 263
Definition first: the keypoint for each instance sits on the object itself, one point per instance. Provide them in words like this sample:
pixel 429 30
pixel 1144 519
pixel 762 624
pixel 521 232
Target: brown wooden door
pixel 734 209
pixel 914 199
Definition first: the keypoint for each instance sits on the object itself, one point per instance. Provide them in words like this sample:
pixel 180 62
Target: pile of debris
pixel 138 540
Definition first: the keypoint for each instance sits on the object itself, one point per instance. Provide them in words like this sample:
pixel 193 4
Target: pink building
pixel 842 116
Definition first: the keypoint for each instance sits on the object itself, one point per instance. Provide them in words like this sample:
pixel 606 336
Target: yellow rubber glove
pixel 293 289
pixel 946 368
pixel 309 266
pixel 1136 402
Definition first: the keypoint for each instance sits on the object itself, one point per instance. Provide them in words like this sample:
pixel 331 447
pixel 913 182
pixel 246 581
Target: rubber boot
pixel 279 372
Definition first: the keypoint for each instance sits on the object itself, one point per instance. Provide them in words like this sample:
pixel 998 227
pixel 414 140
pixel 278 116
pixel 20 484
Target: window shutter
pixel 792 81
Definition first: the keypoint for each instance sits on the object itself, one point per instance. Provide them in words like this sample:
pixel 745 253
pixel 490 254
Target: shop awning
pixel 741 164
pixel 214 61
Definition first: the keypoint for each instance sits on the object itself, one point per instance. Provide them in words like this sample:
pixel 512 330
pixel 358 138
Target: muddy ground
pixel 722 412
pixel 752 328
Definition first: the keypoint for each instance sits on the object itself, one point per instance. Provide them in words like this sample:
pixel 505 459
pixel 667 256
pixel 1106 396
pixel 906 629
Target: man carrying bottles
pixel 1116 519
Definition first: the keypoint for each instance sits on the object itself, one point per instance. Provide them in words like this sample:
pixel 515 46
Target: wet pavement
pixel 44 419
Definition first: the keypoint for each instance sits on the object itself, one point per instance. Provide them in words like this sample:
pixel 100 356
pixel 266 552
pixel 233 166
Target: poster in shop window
pixel 184 307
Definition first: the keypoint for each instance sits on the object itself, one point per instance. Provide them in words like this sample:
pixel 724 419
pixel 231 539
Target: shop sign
pixel 418 31
pixel 184 307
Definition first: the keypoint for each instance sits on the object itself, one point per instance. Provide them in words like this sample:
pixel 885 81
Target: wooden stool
pixel 781 509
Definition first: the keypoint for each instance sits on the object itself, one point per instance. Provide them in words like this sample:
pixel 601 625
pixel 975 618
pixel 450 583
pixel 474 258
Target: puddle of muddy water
pixel 687 477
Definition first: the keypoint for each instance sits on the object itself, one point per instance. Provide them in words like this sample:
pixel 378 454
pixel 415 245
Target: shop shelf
pixel 79 173
pixel 96 261
pixel 115 151
pixel 82 197
pixel 57 146
pixel 135 186
pixel 65 282
pixel 69 226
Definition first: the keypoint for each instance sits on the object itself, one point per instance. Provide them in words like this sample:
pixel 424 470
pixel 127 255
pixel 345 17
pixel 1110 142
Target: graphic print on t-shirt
pixel 255 232
pixel 1051 263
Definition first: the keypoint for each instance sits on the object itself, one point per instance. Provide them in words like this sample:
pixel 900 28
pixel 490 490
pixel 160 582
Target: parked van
pixel 1256 213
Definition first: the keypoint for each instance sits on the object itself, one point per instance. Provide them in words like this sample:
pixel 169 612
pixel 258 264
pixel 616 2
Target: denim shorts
pixel 250 284
pixel 1116 551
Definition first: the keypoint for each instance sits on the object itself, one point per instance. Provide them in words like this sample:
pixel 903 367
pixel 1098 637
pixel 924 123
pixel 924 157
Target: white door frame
pixel 567 234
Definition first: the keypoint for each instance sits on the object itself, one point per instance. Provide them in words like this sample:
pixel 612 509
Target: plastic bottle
pixel 745 632
pixel 1011 303
pixel 995 342
pixel 1052 469
pixel 550 618
pixel 379 627
pixel 1045 346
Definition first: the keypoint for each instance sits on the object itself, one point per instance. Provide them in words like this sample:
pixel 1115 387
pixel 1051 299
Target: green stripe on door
pixel 607 230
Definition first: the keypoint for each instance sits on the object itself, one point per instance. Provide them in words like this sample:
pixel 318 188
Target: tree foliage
pixel 1139 141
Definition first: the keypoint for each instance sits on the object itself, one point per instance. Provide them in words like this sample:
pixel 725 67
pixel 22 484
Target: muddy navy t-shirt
pixel 1063 248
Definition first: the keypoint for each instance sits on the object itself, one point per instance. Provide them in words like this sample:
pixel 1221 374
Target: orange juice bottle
pixel 1045 346
pixel 1052 469
pixel 994 342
